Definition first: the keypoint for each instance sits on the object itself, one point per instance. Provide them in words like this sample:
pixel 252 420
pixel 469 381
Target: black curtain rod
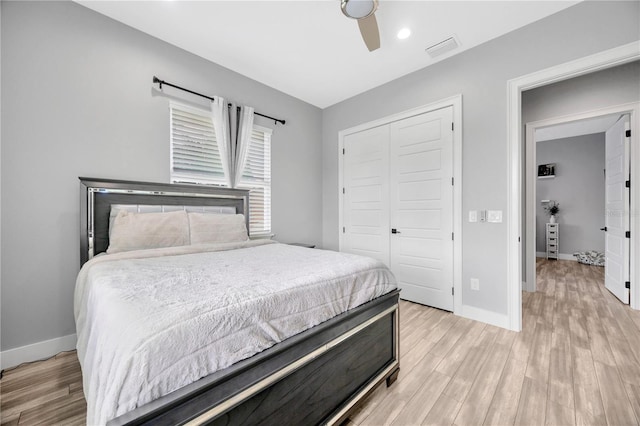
pixel 162 82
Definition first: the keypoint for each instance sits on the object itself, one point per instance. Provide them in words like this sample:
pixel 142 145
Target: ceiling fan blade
pixel 369 30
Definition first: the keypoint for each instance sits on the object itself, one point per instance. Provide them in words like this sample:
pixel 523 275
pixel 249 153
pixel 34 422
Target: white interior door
pixel 421 207
pixel 617 209
pixel 366 193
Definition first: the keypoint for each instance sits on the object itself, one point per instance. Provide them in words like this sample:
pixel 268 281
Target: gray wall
pixel 481 76
pixel 77 100
pixel 579 188
pixel 614 86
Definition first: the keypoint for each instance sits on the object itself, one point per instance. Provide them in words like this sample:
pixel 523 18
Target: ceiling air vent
pixel 442 47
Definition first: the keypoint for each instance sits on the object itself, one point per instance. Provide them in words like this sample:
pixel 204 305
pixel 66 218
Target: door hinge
pixel 627 234
pixel 343 190
pixel 343 151
pixel 452 292
pixel 628 133
pixel 452 182
pixel 627 184
pixel 343 230
pixel 452 236
pixel 452 127
pixel 627 284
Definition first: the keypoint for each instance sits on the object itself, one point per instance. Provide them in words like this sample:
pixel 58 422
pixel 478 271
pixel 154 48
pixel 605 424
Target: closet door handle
pixel 604 229
pixel 394 231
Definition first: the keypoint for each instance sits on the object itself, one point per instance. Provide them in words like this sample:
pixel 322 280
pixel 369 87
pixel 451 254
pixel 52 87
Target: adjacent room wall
pixel 614 86
pixel 480 75
pixel 578 186
pixel 78 100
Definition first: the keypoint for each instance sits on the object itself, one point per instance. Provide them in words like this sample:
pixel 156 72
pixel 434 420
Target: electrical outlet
pixel 475 284
pixel 473 215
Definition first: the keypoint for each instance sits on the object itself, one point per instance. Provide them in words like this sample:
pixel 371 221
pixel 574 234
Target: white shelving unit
pixel 553 238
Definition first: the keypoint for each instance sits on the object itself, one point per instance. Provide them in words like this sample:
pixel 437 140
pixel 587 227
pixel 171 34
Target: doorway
pixel 515 196
pixel 598 218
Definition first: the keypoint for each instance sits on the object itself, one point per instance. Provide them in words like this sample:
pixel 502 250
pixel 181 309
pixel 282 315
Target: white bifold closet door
pixel 398 202
pixel 421 207
pixel 366 193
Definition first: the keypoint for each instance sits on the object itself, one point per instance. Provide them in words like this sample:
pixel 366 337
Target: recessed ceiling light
pixel 404 33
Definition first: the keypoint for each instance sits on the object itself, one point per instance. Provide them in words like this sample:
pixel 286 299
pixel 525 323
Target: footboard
pixel 315 377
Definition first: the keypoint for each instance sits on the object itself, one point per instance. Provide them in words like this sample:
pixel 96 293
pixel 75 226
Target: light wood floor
pixel 577 361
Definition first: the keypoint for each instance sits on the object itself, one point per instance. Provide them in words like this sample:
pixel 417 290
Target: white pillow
pixel 217 228
pixel 138 231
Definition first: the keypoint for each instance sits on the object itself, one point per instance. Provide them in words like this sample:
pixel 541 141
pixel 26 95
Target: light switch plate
pixel 473 215
pixel 494 216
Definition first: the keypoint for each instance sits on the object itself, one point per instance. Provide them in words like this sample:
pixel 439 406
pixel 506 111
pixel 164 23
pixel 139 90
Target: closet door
pixel 421 207
pixel 366 193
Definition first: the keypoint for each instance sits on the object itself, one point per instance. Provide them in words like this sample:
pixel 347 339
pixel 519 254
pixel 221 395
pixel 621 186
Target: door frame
pixel 632 108
pixel 456 103
pixel 609 58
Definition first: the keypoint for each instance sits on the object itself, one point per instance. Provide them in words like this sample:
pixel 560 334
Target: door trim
pixel 609 58
pixel 456 103
pixel 530 172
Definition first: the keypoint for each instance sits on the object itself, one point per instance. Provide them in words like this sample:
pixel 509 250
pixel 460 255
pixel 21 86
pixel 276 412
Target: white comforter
pixel 152 321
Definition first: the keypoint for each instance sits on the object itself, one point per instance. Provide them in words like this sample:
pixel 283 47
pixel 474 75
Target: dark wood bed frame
pixel 315 377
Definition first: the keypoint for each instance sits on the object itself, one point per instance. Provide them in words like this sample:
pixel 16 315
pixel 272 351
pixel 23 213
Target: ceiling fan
pixel 364 12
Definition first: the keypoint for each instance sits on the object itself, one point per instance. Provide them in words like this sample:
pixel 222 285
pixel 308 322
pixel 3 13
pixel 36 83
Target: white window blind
pixel 195 156
pixel 256 177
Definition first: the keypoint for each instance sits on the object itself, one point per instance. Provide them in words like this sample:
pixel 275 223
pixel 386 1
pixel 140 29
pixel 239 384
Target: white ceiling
pixel 587 126
pixel 309 49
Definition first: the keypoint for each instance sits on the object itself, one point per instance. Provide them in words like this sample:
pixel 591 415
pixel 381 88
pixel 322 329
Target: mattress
pixel 152 321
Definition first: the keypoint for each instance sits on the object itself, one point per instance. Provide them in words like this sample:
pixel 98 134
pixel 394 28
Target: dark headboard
pixel 97 196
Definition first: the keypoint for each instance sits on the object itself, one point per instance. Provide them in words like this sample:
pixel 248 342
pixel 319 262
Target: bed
pixel 316 375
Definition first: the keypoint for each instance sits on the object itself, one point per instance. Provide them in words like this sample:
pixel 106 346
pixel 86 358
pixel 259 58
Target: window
pixel 257 177
pixel 196 158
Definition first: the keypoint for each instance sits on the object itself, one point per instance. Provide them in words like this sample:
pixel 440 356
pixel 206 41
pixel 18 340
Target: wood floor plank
pixel 588 405
pixel 468 370
pixel 633 392
pixel 443 412
pixel 559 415
pixel 418 407
pixel 561 371
pixel 504 405
pixel 56 411
pixel 402 391
pixel 476 404
pixel 429 341
pixel 626 362
pixel 539 358
pixel 457 330
pixel 533 403
pixel 10 420
pixel 26 402
pixel 617 407
pixel 456 355
pixel 368 405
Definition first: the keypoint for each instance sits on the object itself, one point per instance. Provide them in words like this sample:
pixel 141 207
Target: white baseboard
pixel 482 315
pixel 561 256
pixel 37 351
